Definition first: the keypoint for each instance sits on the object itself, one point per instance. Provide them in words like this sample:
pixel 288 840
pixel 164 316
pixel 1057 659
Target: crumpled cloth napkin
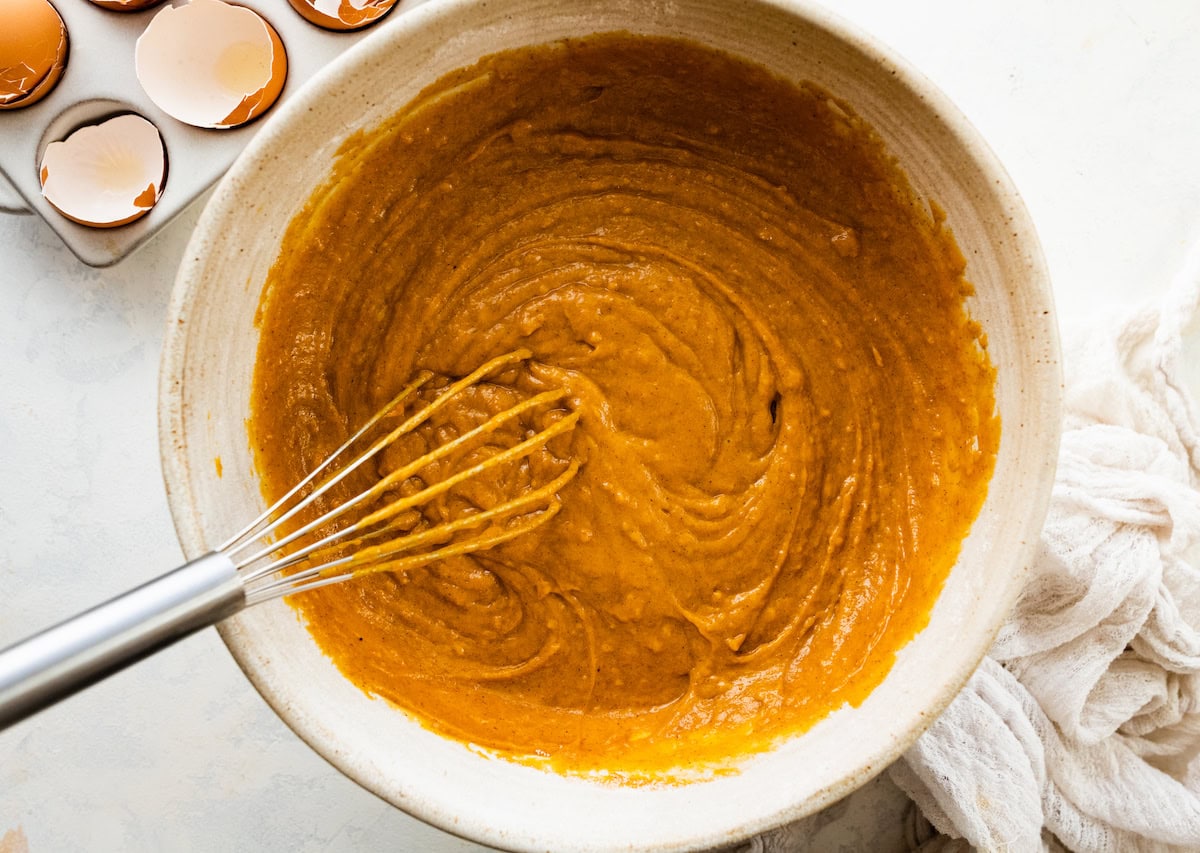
pixel 1082 726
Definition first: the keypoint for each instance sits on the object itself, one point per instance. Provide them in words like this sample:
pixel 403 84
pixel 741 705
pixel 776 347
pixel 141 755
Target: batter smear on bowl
pixel 787 414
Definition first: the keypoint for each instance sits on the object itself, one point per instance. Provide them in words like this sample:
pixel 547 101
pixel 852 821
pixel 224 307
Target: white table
pixel 1093 105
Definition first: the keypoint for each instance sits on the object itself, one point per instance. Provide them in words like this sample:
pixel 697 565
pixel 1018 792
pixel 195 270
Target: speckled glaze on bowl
pixel 205 389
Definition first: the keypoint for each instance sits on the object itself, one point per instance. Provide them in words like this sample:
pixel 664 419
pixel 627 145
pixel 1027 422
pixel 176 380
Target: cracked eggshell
pixel 126 5
pixel 211 64
pixel 343 14
pixel 33 51
pixel 106 174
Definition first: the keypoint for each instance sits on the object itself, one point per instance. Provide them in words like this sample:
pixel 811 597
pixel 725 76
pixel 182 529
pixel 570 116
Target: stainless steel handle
pixel 49 666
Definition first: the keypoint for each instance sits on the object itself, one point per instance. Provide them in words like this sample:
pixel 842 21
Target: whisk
pixel 282 552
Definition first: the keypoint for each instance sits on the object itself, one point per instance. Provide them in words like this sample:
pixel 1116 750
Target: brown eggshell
pixel 343 15
pixel 106 174
pixel 33 51
pixel 126 5
pixel 211 64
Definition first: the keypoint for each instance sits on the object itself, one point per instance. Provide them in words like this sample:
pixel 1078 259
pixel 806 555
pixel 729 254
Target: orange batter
pixel 787 417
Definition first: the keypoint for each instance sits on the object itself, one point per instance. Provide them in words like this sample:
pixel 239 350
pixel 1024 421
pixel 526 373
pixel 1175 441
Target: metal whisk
pixel 282 552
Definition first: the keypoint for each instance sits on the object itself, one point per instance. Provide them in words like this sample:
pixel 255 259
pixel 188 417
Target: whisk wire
pixel 345 551
pixel 231 545
pixel 235 545
pixel 482 543
pixel 517 451
pixel 379 558
pixel 347 535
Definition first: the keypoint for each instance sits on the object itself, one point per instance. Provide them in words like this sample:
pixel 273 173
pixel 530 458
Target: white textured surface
pixel 1091 105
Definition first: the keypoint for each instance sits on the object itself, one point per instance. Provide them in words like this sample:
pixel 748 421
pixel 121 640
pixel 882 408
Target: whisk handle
pixel 61 660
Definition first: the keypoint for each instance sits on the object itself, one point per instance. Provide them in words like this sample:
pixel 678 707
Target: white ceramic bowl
pixel 205 389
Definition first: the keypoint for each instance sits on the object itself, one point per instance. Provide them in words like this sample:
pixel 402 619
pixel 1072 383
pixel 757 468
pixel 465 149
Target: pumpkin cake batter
pixel 787 415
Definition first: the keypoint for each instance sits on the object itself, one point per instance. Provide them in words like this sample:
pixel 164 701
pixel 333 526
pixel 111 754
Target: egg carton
pixel 99 82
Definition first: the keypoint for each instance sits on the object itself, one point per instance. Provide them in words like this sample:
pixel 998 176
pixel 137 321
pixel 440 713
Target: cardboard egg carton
pixel 99 82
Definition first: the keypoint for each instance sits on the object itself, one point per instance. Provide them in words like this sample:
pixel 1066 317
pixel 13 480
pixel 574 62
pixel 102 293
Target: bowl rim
pixel 171 410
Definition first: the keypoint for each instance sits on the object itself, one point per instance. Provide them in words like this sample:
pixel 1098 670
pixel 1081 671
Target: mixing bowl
pixel 205 391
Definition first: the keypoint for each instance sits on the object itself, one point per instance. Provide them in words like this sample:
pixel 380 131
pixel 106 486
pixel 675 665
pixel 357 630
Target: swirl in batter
pixel 787 415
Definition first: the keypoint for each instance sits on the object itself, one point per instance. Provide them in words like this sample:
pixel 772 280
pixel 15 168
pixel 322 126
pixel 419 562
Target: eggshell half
pixel 343 14
pixel 106 174
pixel 211 64
pixel 33 51
pixel 126 5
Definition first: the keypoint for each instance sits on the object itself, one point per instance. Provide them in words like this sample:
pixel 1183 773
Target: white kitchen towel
pixel 1083 724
